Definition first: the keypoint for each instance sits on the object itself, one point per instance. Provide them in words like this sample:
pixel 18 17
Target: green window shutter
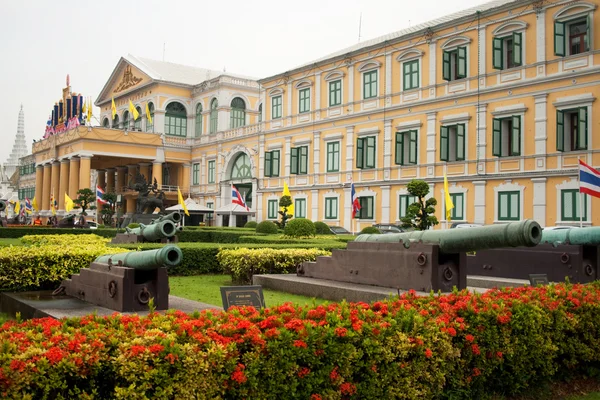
pixel 560 131
pixel 559 38
pixel 359 153
pixel 462 63
pixel 275 163
pixel 460 142
pixel 581 128
pixel 497 53
pixel 405 76
pixel 588 33
pixel 446 66
pixel 515 145
pixel 517 49
pixel 370 158
pixel 294 160
pixel 268 160
pixel 497 137
pixel 303 160
pixel 412 152
pixel 444 143
pixel 399 148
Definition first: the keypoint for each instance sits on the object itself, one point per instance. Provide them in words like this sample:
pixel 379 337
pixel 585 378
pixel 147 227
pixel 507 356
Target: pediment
pixel 125 78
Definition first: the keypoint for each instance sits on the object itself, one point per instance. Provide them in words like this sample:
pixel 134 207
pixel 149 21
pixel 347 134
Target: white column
pixel 159 121
pixel 541 124
pixel 431 142
pixel 345 200
pixel 289 103
pixel 388 74
pixel 482 54
pixel 481 135
pixel 258 206
pixel 314 205
pixel 539 200
pixel 203 171
pixel 287 152
pixel 316 155
pixel 222 116
pixel 387 149
pixel 261 155
pixel 351 88
pixel 317 95
pixel 540 40
pixel 479 202
pixel 385 204
pixel 218 164
pixel 432 68
pixel 349 148
pixel 191 126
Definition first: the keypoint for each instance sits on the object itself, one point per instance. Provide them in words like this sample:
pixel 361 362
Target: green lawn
pixel 205 289
pixel 10 241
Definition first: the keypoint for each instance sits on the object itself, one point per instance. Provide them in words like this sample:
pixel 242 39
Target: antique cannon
pixel 572 253
pixel 423 260
pixel 174 217
pixel 162 229
pixel 125 281
pixel 2 205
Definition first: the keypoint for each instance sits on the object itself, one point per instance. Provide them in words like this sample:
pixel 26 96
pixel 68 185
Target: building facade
pixel 501 98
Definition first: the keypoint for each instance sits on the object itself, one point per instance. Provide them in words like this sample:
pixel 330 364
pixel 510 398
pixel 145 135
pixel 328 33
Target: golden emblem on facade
pixel 128 80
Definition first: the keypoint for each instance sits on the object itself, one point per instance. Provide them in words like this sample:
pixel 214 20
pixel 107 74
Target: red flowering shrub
pixel 459 345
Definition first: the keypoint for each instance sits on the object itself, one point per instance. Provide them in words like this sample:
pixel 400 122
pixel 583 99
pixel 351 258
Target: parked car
pixel 339 230
pixel 389 228
pixel 464 225
pixel 557 228
pixel 88 224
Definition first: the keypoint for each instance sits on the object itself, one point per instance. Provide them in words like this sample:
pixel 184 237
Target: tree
pixel 420 214
pixel 85 200
pixel 285 202
pixel 108 209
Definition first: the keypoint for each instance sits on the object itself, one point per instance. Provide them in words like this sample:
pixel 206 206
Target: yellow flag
pixel 181 202
pixel 133 111
pixel 34 204
pixel 17 206
pixel 89 110
pixel 84 108
pixel 68 203
pixel 286 192
pixel 449 203
pixel 113 108
pixel 148 115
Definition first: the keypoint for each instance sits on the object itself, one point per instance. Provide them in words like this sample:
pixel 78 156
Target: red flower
pixel 341 332
pixel 156 348
pixel 476 372
pixel 137 349
pixel 300 343
pixel 475 349
pixel 316 397
pixel 171 358
pixel 239 377
pixel 244 324
pixel 451 331
pixel 17 365
pixel 347 388
pixel 54 355
pixel 303 372
pixel 428 353
pixel 504 319
pixel 499 354
pixel 469 338
pixel 334 374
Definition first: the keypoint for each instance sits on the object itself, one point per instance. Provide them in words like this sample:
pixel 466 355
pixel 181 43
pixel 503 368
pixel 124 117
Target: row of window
pixel 196 172
pixel 27 169
pixel 27 193
pixel 509 208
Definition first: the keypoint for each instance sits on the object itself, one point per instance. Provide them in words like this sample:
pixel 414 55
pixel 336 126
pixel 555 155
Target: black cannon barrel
pixel 526 233
pixel 2 205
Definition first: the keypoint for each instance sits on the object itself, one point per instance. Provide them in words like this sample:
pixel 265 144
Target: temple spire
pixel 19 147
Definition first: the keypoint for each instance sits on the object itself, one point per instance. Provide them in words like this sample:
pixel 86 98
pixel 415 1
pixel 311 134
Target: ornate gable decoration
pixel 129 80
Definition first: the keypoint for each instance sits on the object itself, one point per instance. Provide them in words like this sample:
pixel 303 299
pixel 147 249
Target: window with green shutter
pixel 572 37
pixel 366 207
pixel 214 116
pixel 571 129
pixel 175 119
pixel 571 205
pixel 272 209
pixel 299 160
pixel 331 207
pixel 506 136
pixel 276 107
pixel 452 142
pixel 509 206
pixel 365 152
pixel 410 75
pixel 300 208
pixel 198 126
pixel 405 200
pixel 507 51
pixel 237 115
pixel 211 171
pixel 333 156
pixel 370 84
pixel 406 147
pixel 454 64
pixel 272 165
pixel 335 93
pixel 196 174
pixel 304 100
pixel 457 213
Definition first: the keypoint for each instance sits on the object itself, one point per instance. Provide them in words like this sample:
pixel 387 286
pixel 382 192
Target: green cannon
pixel 526 233
pixel 155 231
pixel 168 256
pixel 2 205
pixel 589 236
pixel 174 217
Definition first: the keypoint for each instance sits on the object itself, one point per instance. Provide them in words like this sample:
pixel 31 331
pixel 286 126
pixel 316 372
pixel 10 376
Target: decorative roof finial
pixel 68 80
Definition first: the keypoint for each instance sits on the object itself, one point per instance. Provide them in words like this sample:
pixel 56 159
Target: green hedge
pixel 214 235
pixel 14 232
pixel 457 346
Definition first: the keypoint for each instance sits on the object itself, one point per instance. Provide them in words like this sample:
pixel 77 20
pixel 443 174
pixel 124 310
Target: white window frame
pixel 578 101
pixel 305 198
pixel 369 66
pixel 508 186
pixel 328 195
pixel 453 44
pixel 453 189
pixel 505 30
pixel 275 93
pixel 270 199
pixel 574 11
pixel 408 56
pixel 571 184
pixel 335 76
pixel 516 110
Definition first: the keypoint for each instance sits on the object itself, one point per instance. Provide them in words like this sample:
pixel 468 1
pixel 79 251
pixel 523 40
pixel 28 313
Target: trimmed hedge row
pixel 213 235
pixel 457 346
pixel 43 230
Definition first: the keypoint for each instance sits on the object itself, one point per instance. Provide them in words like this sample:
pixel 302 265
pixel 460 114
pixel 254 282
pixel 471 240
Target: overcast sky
pixel 43 41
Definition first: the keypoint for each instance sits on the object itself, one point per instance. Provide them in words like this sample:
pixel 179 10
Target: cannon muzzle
pixel 174 217
pixel 168 256
pixel 2 205
pixel 589 236
pixel 527 233
pixel 155 231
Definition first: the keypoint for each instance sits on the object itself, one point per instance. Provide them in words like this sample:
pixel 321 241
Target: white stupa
pixel 19 149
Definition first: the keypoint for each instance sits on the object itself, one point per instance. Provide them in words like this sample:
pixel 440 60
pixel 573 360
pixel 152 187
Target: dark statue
pixel 147 203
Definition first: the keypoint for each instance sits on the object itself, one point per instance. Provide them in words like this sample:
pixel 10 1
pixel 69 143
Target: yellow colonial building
pixel 500 97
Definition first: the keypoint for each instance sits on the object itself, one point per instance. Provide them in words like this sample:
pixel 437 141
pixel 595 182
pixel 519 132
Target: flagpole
pixel 232 205
pixel 580 194
pixel 445 205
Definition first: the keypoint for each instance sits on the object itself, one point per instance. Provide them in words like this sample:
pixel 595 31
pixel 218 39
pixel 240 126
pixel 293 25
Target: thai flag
pixel 236 198
pixel 100 195
pixel 589 180
pixel 28 206
pixel 355 202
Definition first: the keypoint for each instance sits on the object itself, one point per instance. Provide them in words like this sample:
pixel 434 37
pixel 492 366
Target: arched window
pixel 150 125
pixel 238 113
pixel 260 113
pixel 214 116
pixel 126 120
pixel 198 120
pixel 175 120
pixel 241 167
pixel 115 123
pixel 137 124
pixel 106 123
